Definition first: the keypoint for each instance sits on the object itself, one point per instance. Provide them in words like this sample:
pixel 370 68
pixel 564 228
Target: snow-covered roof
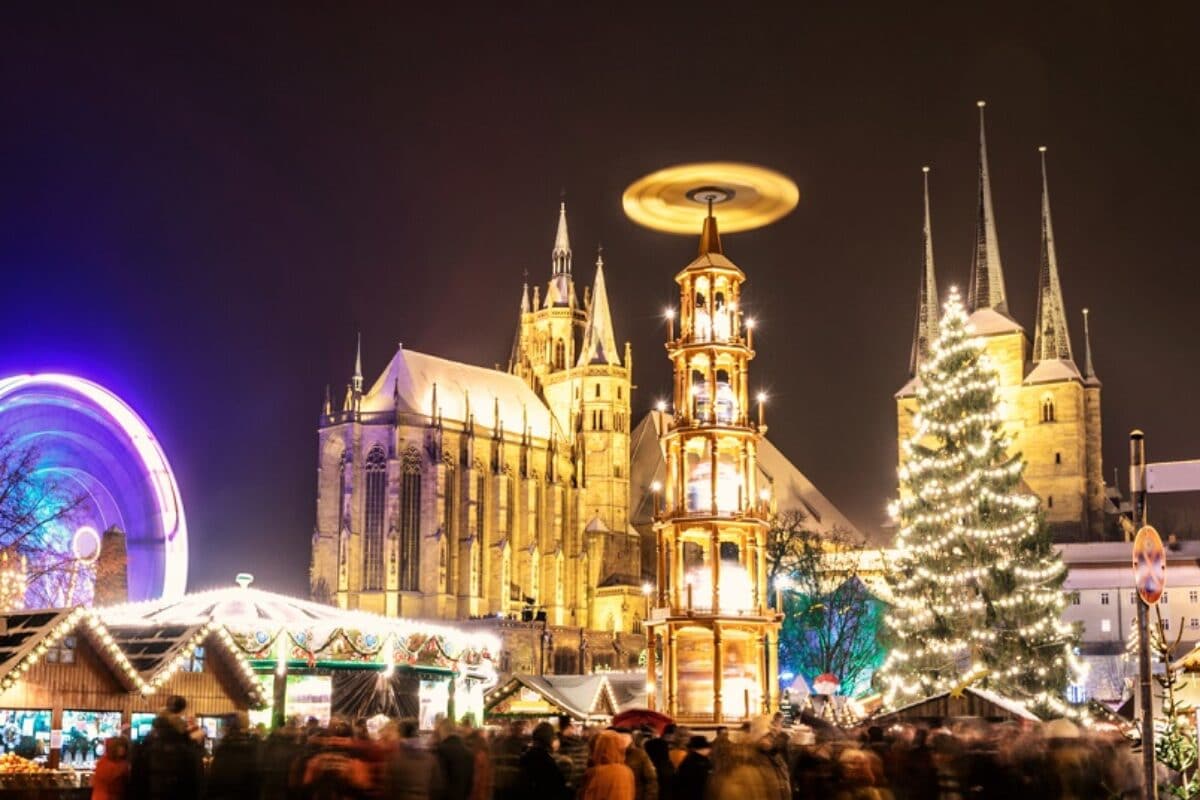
pixel 1053 370
pixel 459 386
pixel 792 488
pixel 989 322
pixel 581 696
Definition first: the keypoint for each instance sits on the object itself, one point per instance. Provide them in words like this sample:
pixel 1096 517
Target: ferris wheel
pixel 102 455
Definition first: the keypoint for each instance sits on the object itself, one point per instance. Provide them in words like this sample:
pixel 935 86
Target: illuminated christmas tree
pixel 977 585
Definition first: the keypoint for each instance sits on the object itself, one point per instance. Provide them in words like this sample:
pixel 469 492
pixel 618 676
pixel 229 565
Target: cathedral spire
pixel 561 255
pixel 927 296
pixel 599 344
pixel 1050 337
pixel 327 407
pixel 1089 371
pixel 356 382
pixel 987 274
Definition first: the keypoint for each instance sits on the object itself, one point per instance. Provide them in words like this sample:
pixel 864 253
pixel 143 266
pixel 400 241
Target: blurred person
pixel 483 781
pixel 280 752
pixel 234 772
pixel 506 757
pixel 691 779
pixel 410 771
pixel 658 748
pixel 456 763
pixel 337 769
pixel 169 764
pixel 573 750
pixel 679 739
pixel 752 768
pixel 645 778
pixel 608 778
pixel 111 778
pixel 539 777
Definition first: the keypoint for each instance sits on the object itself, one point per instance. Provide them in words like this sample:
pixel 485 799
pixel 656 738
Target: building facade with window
pixel 452 491
pixel 1103 602
pixel 1051 407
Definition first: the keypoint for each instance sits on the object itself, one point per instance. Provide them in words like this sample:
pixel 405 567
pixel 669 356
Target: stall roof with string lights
pixel 588 698
pixel 267 627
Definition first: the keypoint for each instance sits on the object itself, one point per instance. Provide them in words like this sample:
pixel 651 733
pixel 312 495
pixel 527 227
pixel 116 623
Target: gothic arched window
pixel 410 522
pixel 343 515
pixel 560 354
pixel 1047 409
pixel 375 475
pixel 477 545
pixel 450 501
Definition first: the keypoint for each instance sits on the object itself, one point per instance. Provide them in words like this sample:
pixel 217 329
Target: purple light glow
pixel 90 436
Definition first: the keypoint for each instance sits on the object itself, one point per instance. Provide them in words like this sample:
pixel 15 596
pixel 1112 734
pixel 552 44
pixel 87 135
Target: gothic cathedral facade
pixel 1051 406
pixel 451 491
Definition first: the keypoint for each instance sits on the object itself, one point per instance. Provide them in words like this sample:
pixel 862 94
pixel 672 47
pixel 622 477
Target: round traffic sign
pixel 1149 565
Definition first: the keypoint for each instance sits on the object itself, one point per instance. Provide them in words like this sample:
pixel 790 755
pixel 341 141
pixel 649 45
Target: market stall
pixel 968 702
pixel 65 687
pixel 317 660
pixel 586 698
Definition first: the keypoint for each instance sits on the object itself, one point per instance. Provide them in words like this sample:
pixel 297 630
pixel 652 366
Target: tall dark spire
pixel 987 274
pixel 1051 339
pixel 927 296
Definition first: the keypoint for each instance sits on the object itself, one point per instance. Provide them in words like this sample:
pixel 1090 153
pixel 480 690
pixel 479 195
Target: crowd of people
pixel 763 760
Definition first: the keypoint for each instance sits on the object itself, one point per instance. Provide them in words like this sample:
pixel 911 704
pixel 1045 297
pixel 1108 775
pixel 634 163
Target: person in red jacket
pixel 112 771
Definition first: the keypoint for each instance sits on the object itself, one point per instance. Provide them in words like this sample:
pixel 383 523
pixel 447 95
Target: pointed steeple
pixel 327 407
pixel 927 296
pixel 1089 371
pixel 1051 339
pixel 525 295
pixel 356 382
pixel 561 255
pixel 599 344
pixel 987 274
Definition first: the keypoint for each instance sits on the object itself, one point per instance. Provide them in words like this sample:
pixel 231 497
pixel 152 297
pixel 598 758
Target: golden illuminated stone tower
pixel 717 638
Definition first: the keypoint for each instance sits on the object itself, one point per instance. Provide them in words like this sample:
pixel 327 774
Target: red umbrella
pixel 637 717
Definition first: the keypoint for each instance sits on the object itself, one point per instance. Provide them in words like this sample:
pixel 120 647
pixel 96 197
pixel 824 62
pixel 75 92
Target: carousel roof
pixel 247 610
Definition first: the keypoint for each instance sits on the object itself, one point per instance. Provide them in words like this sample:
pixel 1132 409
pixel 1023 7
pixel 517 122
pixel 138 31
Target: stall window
pixel 63 652
pixel 196 662
pixel 84 734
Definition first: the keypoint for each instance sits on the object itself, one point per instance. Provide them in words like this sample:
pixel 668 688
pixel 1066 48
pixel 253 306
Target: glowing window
pixel 376 478
pixel 410 522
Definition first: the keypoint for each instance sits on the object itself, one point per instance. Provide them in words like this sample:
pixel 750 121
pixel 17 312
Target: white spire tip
pixel 1042 149
pixel 925 169
pixel 981 103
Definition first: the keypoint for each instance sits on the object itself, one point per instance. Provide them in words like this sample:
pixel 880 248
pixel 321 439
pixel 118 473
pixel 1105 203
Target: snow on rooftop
pixel 989 322
pixel 459 385
pixel 1053 370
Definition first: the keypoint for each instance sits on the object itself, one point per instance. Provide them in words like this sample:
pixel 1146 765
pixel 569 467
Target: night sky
pixel 200 211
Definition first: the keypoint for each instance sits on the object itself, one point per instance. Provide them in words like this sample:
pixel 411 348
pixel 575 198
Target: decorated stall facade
pixel 585 698
pixel 317 660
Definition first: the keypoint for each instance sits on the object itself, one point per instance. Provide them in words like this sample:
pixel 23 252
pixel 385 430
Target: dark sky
pixel 200 211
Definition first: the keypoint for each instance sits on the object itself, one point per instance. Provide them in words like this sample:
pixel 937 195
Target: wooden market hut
pixel 60 660
pixel 969 703
pixel 198 662
pixel 586 698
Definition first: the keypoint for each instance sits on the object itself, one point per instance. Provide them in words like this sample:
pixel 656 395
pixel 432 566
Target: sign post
pixel 1137 492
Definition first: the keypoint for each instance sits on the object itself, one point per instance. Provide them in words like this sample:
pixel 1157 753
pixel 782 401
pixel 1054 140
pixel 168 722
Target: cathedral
pixel 1051 407
pixel 520 500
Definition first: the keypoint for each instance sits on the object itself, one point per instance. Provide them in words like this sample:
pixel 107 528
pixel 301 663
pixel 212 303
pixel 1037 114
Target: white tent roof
pixel 459 386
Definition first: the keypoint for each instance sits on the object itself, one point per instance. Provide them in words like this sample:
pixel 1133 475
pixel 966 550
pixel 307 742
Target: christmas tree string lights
pixel 977 585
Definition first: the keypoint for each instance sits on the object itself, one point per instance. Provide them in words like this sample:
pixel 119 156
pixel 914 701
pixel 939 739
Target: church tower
pixel 568 354
pixel 1052 410
pixel 717 637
